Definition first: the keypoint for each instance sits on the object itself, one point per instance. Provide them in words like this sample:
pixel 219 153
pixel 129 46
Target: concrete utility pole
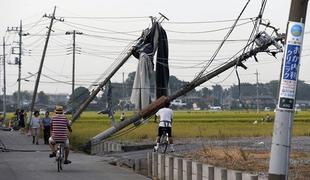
pixel 257 104
pixel 21 34
pixel 4 82
pixel 42 61
pixel 284 117
pixel 19 63
pixel 73 69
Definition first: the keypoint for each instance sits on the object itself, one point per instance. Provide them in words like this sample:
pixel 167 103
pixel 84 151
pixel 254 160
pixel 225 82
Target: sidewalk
pixel 23 160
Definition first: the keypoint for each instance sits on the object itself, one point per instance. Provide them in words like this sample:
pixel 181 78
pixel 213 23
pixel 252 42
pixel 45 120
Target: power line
pixel 106 17
pixel 207 31
pixel 207 22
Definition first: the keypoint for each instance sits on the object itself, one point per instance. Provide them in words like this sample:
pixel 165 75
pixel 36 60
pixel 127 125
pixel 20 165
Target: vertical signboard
pixel 289 76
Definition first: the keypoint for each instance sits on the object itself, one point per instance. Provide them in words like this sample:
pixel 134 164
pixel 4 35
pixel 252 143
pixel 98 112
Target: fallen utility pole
pixel 160 102
pixel 100 86
pixel 42 61
pixel 284 116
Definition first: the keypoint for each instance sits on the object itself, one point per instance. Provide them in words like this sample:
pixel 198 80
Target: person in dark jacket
pixel 21 122
pixel 46 121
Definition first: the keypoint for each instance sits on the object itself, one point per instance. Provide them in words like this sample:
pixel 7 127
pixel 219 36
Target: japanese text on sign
pixel 291 62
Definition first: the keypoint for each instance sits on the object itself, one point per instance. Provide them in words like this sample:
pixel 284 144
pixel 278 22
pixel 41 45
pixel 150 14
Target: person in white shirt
pixel 165 123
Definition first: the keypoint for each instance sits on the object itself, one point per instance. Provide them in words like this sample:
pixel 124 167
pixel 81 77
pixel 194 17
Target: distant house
pixel 263 101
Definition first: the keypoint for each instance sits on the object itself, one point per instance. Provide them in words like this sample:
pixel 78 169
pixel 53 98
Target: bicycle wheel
pixel 164 143
pixel 61 157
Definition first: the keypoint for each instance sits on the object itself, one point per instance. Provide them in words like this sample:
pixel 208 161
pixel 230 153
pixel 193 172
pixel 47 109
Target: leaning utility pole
pixel 160 102
pixel 42 61
pixel 257 104
pixel 4 82
pixel 73 69
pixel 101 85
pixel 284 117
pixel 123 58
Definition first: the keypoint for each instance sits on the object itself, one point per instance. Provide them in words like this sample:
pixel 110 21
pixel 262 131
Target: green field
pixel 189 124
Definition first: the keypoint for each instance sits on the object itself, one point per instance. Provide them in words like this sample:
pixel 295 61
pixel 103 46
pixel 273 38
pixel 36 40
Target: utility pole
pixel 284 116
pixel 73 69
pixel 21 34
pixel 257 104
pixel 42 61
pixel 4 82
pixel 83 106
pixel 19 63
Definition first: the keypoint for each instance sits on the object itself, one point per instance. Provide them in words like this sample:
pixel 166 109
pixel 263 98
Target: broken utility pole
pixel 284 117
pixel 100 86
pixel 125 57
pixel 160 102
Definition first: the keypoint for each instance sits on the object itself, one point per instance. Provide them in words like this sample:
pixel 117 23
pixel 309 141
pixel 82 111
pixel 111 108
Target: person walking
pixel 35 125
pixel 46 121
pixel 22 121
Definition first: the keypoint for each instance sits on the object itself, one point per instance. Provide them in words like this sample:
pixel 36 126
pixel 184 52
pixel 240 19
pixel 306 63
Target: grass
pixel 189 124
pixel 249 160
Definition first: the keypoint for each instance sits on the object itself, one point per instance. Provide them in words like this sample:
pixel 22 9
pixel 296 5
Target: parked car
pixel 42 111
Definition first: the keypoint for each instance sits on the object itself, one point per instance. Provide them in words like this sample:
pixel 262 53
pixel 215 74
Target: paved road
pixel 27 161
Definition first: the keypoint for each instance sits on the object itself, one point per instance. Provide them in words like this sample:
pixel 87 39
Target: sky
pixel 195 29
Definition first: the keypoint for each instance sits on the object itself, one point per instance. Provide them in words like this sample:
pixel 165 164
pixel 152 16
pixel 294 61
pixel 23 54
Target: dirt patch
pixel 237 158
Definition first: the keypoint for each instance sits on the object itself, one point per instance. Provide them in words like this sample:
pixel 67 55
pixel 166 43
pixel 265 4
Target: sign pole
pixel 284 117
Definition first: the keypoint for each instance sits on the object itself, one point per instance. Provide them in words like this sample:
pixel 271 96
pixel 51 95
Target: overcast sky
pixel 191 44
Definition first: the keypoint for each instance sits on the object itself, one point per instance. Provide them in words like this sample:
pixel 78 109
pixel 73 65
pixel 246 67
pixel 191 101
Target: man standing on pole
pixel 281 140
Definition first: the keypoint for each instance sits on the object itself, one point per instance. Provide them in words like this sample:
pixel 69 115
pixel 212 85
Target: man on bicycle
pixel 59 128
pixel 165 124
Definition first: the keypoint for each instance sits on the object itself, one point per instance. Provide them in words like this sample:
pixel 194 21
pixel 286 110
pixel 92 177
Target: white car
pixel 42 112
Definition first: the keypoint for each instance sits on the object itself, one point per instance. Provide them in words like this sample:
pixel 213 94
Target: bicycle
pixel 164 139
pixel 60 155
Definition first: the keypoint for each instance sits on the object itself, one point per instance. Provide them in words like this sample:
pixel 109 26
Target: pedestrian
pixel 46 121
pixel 35 125
pixel 14 122
pixel 22 121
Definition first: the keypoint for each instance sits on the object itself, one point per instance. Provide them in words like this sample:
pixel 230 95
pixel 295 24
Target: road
pixel 23 160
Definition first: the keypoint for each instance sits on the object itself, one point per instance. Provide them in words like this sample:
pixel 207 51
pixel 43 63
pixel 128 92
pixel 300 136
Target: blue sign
pixel 291 62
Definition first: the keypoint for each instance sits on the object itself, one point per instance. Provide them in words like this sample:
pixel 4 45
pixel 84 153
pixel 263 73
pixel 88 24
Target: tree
pixel 25 97
pixel 43 98
pixel 80 94
pixel 217 95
